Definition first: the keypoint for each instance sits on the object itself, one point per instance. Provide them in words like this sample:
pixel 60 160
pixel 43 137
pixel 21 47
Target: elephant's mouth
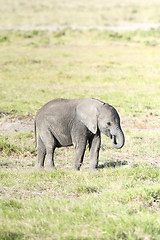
pixel 114 139
pixel 109 134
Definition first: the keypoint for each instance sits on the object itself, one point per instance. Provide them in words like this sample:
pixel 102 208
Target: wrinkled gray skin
pixel 63 122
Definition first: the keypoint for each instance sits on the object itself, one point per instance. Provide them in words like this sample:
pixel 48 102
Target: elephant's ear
pixel 87 113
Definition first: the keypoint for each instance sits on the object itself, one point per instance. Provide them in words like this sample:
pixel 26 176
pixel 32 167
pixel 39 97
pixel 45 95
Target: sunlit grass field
pixel 120 68
pixel 121 200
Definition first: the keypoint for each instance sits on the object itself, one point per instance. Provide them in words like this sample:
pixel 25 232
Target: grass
pixel 20 143
pixel 79 64
pixel 121 200
pixel 121 203
pixel 64 13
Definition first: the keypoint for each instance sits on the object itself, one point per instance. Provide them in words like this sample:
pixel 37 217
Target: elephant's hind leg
pixel 50 145
pixel 41 153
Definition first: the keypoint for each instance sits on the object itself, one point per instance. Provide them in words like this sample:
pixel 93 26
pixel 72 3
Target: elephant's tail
pixel 35 136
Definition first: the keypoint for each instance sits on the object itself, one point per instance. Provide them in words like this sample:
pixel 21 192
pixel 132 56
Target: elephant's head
pixel 99 115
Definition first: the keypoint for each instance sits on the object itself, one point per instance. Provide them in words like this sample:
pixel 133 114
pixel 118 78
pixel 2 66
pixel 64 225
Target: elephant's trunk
pixel 118 140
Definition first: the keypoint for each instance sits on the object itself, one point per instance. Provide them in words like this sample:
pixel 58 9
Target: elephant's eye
pixel 108 123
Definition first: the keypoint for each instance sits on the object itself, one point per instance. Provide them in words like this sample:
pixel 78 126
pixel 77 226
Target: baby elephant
pixel 66 122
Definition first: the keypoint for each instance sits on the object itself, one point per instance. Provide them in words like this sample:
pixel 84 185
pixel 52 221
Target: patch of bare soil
pixel 12 125
pixel 149 122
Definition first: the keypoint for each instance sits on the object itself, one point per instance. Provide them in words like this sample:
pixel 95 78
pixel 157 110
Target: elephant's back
pixel 58 110
pixel 59 105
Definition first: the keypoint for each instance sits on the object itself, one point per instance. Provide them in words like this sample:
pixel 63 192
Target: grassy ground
pixel 113 67
pixel 121 200
pixel 82 13
pixel 115 203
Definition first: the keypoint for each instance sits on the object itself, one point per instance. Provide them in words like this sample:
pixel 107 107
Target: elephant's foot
pixel 93 170
pixel 52 168
pixel 77 169
pixel 93 167
pixel 39 166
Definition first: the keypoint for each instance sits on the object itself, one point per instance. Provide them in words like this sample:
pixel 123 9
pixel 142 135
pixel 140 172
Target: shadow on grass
pixel 5 164
pixel 112 164
pixel 11 235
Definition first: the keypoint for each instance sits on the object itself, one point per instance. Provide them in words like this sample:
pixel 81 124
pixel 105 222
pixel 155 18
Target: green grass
pixel 79 64
pixel 20 143
pixel 120 203
pixel 121 200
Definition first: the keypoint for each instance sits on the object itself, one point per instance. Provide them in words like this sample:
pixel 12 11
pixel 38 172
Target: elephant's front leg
pixel 94 146
pixel 79 155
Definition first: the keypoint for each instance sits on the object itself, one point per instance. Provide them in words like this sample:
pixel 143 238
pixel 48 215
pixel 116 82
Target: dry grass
pixel 72 13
